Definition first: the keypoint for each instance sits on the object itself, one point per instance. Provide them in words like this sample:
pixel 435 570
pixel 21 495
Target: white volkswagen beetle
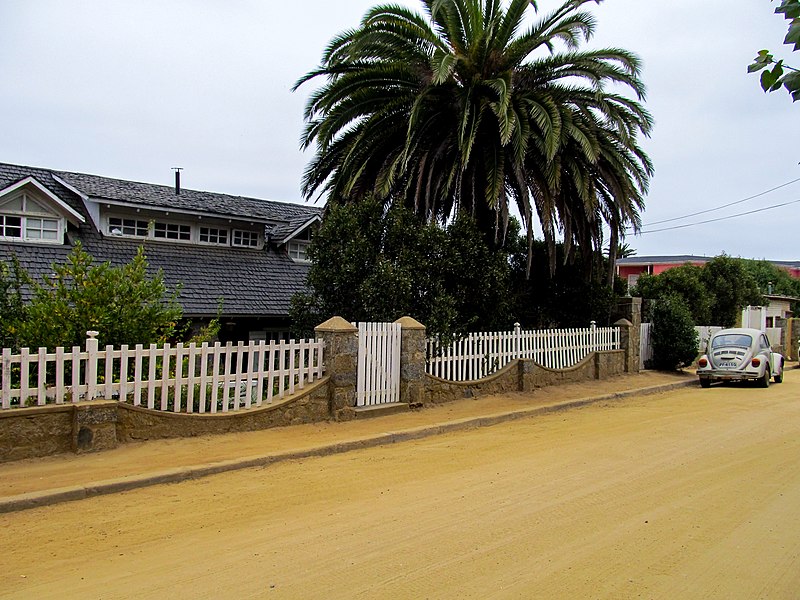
pixel 737 355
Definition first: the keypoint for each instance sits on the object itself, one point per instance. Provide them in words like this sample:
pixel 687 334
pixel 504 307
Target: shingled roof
pixel 250 282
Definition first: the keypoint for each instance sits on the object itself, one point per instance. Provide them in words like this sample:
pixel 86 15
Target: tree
pixel 369 264
pixel 124 304
pixel 731 287
pixel 11 307
pixel 674 337
pixel 457 111
pixel 774 73
pixel 685 283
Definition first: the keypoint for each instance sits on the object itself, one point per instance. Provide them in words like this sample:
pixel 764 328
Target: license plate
pixel 727 364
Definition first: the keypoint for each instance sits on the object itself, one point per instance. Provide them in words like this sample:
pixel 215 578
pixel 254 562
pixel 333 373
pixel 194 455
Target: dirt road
pixel 690 494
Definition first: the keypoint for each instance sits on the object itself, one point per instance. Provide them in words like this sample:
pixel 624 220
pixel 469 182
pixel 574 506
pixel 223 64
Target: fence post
pixel 91 364
pixel 412 361
pixel 340 357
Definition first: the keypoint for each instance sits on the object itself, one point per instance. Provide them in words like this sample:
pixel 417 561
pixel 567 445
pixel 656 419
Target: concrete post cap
pixel 335 324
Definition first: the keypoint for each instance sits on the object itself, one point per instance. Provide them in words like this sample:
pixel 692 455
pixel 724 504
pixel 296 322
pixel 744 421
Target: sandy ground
pixel 688 494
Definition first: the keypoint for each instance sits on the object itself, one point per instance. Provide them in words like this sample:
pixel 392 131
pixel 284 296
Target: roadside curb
pixel 175 475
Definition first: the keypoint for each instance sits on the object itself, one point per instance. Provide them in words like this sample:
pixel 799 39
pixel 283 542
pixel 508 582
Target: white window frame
pixel 216 234
pixel 131 223
pixel 252 236
pixel 115 224
pixel 298 251
pixel 171 231
pixel 28 217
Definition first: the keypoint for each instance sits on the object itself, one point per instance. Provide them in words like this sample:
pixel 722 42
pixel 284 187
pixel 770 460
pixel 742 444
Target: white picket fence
pixel 378 380
pixel 480 354
pixel 180 378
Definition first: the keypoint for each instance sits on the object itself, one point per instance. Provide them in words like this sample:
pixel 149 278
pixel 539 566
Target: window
pixel 172 231
pixel 134 227
pixel 41 229
pixel 298 251
pixel 245 238
pixel 10 227
pixel 23 218
pixel 213 235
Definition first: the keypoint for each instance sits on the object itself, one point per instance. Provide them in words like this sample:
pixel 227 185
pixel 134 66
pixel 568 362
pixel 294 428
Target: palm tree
pixel 460 110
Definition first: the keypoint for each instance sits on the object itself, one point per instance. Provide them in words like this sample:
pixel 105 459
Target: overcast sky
pixel 131 89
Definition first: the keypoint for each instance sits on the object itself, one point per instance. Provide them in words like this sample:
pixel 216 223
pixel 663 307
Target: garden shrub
pixel 673 335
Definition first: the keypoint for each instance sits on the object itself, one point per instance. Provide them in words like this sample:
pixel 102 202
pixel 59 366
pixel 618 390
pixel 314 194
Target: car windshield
pixel 732 339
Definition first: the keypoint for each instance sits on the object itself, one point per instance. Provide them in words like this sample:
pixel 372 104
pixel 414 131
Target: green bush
pixel 125 304
pixel 673 335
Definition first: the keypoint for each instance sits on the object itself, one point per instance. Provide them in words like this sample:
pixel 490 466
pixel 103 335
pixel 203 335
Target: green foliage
pixel 684 282
pixel 471 107
pixel 731 287
pixel 774 73
pixel 369 264
pixel 673 335
pixel 12 311
pixel 714 294
pixel 563 297
pixel 124 304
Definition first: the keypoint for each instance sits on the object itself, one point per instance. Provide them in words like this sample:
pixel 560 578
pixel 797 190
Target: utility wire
pixel 749 212
pixel 708 210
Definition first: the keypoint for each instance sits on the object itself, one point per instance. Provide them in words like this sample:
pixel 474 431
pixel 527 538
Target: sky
pixel 130 89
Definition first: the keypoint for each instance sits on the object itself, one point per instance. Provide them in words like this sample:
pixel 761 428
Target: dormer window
pixel 245 238
pixel 298 251
pixel 213 235
pixel 297 246
pixel 165 230
pixel 132 227
pixel 26 218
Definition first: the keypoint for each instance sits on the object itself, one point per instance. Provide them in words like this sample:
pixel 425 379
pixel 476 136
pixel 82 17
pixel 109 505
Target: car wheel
pixel 705 382
pixel 778 378
pixel 764 381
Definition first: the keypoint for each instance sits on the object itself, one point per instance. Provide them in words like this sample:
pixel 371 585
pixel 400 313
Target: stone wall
pixel 526 375
pixel 309 406
pixel 102 424
pixel 33 432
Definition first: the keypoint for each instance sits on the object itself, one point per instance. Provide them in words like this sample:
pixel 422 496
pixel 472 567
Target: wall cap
pixel 335 324
pixel 623 323
pixel 410 323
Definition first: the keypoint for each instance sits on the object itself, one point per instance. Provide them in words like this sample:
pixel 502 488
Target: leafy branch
pixel 774 73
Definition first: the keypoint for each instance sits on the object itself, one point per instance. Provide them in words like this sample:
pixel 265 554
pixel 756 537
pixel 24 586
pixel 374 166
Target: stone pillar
pixel 630 310
pixel 794 339
pixel 340 358
pixel 412 361
pixel 629 342
pixel 94 426
pixel 784 346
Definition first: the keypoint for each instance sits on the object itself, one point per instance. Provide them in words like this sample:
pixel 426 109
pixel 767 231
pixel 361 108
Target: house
pixel 632 267
pixel 249 254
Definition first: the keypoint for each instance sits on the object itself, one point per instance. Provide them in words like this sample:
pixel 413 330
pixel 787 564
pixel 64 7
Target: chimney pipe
pixel 177 180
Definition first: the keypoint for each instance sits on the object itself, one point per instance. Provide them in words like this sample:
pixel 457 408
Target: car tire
pixel 778 378
pixel 705 382
pixel 764 381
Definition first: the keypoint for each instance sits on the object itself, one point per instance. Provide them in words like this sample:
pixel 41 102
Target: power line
pixel 708 210
pixel 749 212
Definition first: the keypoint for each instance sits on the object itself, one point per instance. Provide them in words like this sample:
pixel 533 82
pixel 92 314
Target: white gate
pixel 645 346
pixel 378 364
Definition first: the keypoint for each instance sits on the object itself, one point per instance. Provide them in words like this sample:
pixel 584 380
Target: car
pixel 740 354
